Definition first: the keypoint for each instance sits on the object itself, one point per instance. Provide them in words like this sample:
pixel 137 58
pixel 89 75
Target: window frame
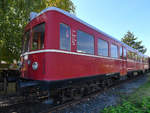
pixel 98 47
pixel 23 41
pixel 111 50
pixel 125 51
pixel 121 54
pixel 79 51
pixel 69 37
pixel 31 37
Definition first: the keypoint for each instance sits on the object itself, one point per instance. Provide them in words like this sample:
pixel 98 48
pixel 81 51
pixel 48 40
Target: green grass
pixel 137 102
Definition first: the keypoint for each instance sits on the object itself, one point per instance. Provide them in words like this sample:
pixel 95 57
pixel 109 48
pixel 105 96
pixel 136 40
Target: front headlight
pixel 35 66
pixel 26 57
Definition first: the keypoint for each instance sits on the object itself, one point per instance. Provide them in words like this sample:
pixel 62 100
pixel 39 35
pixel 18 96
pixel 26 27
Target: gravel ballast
pixel 110 97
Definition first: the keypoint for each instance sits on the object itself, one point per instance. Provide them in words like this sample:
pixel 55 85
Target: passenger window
pixel 65 37
pixel 114 51
pixel 129 53
pixel 136 57
pixel 38 37
pixel 85 42
pixel 125 53
pixel 102 47
pixel 121 53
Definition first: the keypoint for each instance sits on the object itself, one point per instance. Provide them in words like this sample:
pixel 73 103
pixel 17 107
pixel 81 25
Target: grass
pixel 137 102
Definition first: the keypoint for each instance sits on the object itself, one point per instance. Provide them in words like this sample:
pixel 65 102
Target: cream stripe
pixel 66 52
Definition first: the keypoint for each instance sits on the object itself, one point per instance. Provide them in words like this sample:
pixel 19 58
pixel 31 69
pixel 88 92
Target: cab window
pixel 26 41
pixel 38 33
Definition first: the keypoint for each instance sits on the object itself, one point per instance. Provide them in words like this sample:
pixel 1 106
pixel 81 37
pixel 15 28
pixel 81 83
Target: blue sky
pixel 116 17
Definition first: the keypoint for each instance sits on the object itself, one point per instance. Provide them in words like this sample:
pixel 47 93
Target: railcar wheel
pixel 77 94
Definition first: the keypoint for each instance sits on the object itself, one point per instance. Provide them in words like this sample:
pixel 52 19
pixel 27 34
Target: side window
pixel 114 51
pixel 102 47
pixel 135 57
pixel 121 52
pixel 85 42
pixel 129 53
pixel 125 53
pixel 65 37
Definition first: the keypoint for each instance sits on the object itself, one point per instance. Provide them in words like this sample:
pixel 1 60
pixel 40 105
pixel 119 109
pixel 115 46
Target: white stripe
pixel 67 52
pixel 133 61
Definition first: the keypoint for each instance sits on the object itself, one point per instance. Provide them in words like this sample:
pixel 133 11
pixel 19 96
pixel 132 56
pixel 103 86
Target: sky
pixel 116 17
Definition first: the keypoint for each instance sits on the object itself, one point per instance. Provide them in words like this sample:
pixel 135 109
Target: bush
pixel 130 107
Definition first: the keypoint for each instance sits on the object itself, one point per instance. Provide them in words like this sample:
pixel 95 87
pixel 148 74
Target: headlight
pixel 26 57
pixel 35 66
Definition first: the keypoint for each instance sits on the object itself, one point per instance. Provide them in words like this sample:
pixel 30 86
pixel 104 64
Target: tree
pixel 132 41
pixel 14 15
pixel 66 5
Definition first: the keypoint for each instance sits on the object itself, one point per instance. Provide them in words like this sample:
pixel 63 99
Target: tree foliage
pixel 14 15
pixel 62 4
pixel 131 40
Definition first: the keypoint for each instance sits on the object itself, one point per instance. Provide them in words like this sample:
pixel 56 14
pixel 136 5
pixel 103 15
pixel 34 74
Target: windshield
pixel 26 41
pixel 38 37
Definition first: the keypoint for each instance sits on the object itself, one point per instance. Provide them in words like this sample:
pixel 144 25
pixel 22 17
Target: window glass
pixel 125 53
pixel 26 41
pixel 102 47
pixel 85 42
pixel 128 54
pixel 133 56
pixel 121 52
pixel 114 51
pixel 38 33
pixel 65 37
pixel 136 57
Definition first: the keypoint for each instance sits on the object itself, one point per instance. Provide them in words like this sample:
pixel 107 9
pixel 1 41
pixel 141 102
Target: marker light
pixel 29 62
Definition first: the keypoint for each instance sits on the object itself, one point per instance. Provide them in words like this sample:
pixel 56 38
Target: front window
pixel 38 33
pixel 26 41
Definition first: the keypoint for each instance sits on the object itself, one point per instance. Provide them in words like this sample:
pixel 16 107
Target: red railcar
pixel 60 47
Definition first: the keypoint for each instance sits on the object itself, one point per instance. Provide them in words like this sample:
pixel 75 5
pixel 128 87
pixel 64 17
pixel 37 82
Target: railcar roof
pixel 85 23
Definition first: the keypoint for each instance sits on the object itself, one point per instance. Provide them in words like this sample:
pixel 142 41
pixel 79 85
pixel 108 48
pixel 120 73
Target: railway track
pixel 55 109
pixel 10 101
pixel 16 100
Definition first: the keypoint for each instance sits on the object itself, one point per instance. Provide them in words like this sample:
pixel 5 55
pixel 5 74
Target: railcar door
pixel 121 60
pixel 124 64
